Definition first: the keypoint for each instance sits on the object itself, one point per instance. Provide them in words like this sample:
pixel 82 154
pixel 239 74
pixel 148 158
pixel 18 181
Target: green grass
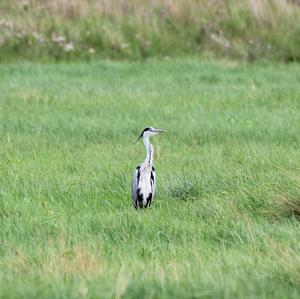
pixel 225 221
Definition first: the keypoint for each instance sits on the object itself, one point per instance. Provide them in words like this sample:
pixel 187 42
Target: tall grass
pixel 70 29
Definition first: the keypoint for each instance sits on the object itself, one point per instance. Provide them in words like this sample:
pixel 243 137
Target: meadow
pixel 225 220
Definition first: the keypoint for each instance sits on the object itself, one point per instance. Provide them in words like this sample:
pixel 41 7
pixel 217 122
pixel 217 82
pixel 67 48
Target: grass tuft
pixel 289 201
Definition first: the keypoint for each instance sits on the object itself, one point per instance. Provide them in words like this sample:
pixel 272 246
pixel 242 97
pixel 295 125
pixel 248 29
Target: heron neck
pixel 150 152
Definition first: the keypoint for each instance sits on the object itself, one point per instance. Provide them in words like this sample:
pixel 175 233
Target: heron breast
pixel 145 186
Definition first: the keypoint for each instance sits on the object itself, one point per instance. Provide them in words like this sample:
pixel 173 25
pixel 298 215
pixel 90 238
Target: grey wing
pixel 153 181
pixel 135 182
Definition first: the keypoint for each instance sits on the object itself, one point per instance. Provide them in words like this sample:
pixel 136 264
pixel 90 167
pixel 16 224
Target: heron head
pixel 150 131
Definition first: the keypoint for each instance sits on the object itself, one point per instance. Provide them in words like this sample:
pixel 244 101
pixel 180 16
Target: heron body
pixel 144 177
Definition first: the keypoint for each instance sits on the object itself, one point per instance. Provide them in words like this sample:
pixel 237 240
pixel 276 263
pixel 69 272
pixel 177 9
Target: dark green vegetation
pixel 246 30
pixel 225 221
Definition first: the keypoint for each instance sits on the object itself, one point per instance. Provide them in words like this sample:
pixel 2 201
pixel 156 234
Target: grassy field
pixel 225 222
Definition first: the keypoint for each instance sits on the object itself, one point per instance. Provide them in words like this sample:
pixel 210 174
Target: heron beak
pixel 159 130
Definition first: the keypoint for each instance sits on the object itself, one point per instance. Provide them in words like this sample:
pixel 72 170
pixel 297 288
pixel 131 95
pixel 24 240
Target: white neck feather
pixel 150 151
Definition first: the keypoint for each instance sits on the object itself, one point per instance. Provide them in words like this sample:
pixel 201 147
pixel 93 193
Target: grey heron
pixel 144 178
